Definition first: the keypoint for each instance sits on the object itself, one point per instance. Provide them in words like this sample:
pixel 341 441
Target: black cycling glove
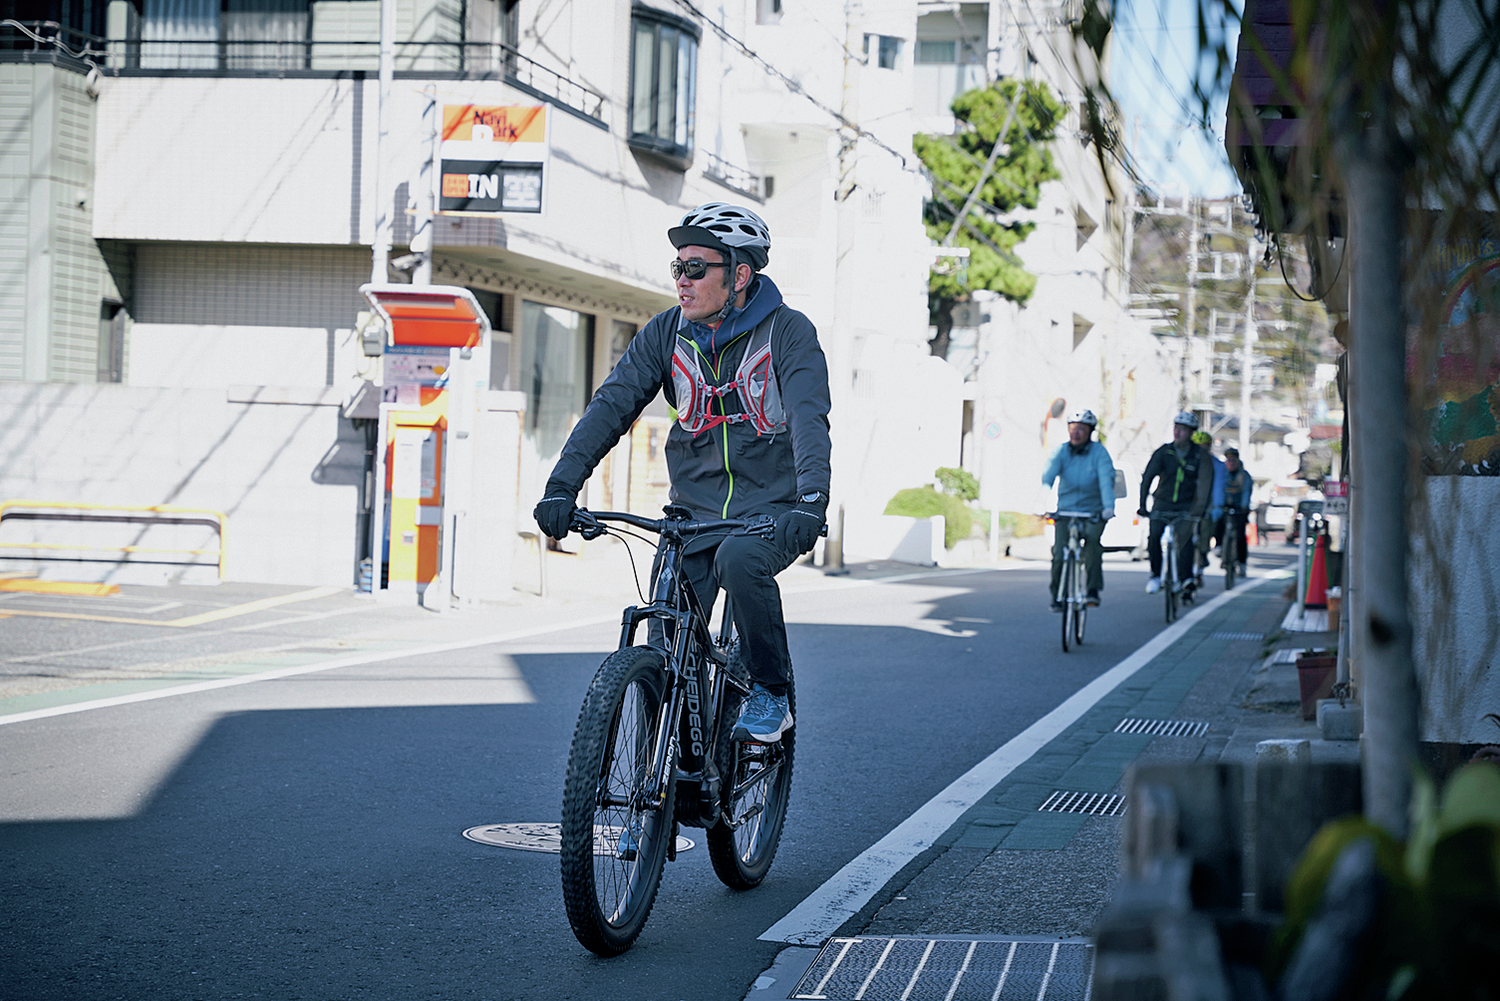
pixel 554 515
pixel 798 528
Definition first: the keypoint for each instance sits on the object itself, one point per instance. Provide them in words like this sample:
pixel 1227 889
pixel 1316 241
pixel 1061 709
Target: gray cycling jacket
pixel 730 470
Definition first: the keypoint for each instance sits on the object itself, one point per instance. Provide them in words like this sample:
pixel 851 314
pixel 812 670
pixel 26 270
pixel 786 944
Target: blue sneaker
pixel 763 717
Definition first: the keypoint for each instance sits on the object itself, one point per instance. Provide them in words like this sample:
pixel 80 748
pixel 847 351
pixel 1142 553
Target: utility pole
pixel 1190 317
pixel 419 196
pixel 381 245
pixel 1247 357
pixel 841 363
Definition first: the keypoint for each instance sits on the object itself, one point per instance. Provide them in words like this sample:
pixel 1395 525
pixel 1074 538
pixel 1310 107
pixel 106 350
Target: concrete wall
pixel 286 476
pixel 1455 605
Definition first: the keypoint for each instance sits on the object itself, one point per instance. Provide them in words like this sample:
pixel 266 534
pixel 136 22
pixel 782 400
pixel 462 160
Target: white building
pixel 1073 345
pixel 202 211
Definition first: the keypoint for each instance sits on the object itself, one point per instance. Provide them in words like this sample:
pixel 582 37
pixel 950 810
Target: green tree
pixel 1028 116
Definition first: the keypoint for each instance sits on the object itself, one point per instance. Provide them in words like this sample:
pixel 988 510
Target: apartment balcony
pixel 312 50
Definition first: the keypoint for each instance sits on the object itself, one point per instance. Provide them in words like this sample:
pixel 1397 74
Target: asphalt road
pixel 301 837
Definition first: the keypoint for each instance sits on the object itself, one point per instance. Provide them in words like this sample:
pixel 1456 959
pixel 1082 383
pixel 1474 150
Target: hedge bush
pixel 925 502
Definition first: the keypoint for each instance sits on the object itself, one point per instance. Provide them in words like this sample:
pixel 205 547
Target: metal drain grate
pixel 1163 727
pixel 1229 634
pixel 1097 803
pixel 948 969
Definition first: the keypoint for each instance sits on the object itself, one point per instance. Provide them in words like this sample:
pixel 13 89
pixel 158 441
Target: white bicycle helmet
pixel 1187 419
pixel 735 230
pixel 1083 417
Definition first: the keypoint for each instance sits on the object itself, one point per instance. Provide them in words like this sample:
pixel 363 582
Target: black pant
pixel 1233 523
pixel 745 566
pixel 1183 532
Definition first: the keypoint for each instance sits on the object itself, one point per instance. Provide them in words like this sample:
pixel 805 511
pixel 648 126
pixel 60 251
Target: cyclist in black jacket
pixel 1185 478
pixel 748 384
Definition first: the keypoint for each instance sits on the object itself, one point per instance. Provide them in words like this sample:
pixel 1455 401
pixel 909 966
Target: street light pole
pixel 381 245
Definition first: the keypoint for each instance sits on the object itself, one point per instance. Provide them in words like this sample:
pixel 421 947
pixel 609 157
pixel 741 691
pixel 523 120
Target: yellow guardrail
pixel 144 514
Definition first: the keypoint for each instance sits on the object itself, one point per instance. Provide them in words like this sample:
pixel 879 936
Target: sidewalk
pixel 1013 888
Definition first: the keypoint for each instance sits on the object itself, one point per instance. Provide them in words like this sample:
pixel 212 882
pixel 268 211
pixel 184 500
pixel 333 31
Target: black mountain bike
pixel 652 751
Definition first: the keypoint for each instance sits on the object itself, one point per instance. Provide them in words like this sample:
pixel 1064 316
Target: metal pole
pixel 420 198
pixel 1380 630
pixel 840 362
pixel 381 247
pixel 1247 359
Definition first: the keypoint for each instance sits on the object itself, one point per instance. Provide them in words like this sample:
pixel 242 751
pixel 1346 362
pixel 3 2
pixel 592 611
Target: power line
pixel 796 87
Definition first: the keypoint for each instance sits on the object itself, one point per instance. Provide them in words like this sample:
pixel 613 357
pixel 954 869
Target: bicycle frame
pixel 687 729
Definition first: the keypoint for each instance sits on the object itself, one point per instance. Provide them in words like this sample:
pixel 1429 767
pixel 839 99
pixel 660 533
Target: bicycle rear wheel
pixel 614 842
pixel 757 787
pixel 1070 607
pixel 1169 577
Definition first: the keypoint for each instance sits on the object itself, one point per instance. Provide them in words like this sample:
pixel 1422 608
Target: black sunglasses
pixel 693 268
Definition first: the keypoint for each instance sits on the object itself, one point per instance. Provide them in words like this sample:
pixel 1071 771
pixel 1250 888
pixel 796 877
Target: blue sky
pixel 1150 70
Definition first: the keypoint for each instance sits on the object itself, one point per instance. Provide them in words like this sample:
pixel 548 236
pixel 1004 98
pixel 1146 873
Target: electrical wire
pixel 796 87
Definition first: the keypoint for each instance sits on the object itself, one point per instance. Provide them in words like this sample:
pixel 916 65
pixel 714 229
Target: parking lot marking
pixel 255 606
pixel 229 612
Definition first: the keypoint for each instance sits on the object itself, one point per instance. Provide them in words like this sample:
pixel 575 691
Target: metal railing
pixel 734 177
pixel 48 41
pixel 145 515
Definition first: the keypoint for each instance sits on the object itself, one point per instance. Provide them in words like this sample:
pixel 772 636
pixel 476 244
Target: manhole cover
pixel 548 837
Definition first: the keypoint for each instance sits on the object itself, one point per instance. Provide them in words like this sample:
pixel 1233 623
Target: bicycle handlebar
pixel 1090 515
pixel 589 524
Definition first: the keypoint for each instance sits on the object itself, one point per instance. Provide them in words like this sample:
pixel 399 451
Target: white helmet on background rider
pixel 1187 419
pixel 1083 417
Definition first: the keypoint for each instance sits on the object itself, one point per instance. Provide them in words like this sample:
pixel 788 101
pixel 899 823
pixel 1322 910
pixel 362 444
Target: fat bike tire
pixel 757 786
pixel 608 889
pixel 1070 607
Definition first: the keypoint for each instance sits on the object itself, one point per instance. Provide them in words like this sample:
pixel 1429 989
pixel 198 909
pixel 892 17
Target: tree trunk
pixel 1381 631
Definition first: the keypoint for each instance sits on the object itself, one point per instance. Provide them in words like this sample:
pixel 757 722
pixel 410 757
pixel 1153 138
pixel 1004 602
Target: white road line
pixel 840 898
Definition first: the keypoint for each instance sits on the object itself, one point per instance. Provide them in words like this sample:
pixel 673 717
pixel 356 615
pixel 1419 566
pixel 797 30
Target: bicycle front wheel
pixel 1231 558
pixel 1070 606
pixel 757 787
pixel 1081 602
pixel 615 830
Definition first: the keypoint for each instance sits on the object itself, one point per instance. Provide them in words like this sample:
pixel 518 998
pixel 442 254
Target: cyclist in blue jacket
pixel 1209 526
pixel 1085 476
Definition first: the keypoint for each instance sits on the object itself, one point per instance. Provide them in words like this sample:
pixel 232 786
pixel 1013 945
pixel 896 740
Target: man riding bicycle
pixel 1238 485
pixel 1085 477
pixel 1184 481
pixel 748 384
pixel 1213 517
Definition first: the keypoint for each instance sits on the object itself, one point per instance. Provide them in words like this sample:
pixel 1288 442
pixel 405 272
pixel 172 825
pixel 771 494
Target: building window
pixel 883 51
pixel 767 11
pixel 663 85
pixel 936 52
pixel 557 345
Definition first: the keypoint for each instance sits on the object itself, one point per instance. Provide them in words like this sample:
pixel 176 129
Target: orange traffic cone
pixel 1252 535
pixel 1317 578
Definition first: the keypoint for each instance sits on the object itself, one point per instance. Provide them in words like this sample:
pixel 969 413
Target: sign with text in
pixel 488 186
pixel 492 159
